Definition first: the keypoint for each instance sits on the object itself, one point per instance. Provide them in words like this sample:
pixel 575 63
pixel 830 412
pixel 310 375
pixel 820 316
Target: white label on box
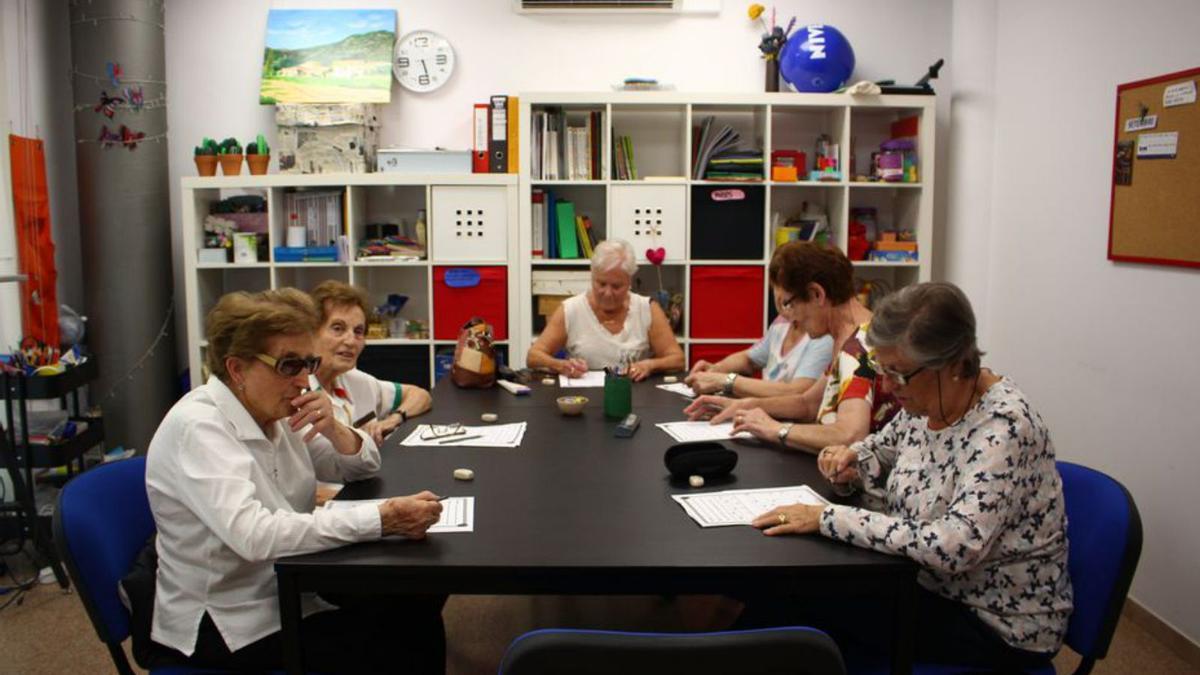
pixel 1141 123
pixel 1179 94
pixel 1164 145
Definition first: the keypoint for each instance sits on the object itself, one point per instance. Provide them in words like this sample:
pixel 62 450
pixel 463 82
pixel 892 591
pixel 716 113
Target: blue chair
pixel 747 652
pixel 101 522
pixel 1104 532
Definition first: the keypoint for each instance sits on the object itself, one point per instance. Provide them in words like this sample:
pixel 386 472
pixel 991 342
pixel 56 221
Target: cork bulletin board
pixel 1155 210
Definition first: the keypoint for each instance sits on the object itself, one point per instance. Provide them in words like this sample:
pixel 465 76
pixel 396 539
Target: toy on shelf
pixel 786 165
pixel 258 156
pixel 206 157
pixel 230 157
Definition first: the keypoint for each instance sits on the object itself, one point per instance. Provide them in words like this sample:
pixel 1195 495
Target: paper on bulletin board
pixel 1182 93
pixel 1141 123
pixel 1158 146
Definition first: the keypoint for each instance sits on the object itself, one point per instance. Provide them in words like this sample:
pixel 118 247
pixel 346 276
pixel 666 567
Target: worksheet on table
pixel 701 430
pixel 592 378
pixel 741 507
pixel 678 388
pixel 446 435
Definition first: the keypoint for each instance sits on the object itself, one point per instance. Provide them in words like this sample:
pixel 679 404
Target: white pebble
pixel 670 379
pixel 696 481
pixel 489 417
pixel 548 380
pixel 464 474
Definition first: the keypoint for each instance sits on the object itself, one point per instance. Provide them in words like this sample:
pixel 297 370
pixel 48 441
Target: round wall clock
pixel 423 61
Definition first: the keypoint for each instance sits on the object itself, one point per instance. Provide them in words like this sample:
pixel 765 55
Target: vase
pixel 231 165
pixel 772 82
pixel 258 164
pixel 206 165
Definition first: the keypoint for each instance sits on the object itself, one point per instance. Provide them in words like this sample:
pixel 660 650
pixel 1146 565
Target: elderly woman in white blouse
pixel 231 476
pixel 609 325
pixel 963 481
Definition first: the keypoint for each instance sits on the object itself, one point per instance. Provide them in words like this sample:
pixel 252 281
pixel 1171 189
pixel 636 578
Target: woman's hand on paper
pixel 572 367
pixel 410 516
pixel 791 519
pixel 756 422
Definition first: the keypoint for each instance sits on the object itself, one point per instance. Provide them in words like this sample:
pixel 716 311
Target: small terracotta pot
pixel 231 165
pixel 258 164
pixel 206 165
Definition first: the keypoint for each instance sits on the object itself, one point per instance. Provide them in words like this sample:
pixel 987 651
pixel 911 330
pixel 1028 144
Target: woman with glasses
pixel 231 476
pixel 789 359
pixel 609 326
pixel 962 481
pixel 846 404
pixel 343 311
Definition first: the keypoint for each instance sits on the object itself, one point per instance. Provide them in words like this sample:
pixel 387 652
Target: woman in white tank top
pixel 608 326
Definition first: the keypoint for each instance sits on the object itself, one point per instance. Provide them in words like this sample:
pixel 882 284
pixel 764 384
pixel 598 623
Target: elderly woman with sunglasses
pixel 343 311
pixel 231 476
pixel 963 481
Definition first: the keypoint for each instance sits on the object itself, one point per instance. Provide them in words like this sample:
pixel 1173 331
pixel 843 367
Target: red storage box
pixel 456 302
pixel 727 302
pixel 714 352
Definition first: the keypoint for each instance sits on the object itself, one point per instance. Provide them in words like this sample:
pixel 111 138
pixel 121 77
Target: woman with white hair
pixel 608 326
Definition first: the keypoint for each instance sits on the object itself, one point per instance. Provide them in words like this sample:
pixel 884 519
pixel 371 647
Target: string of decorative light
pixel 122 142
pixel 160 102
pixel 162 335
pixel 122 80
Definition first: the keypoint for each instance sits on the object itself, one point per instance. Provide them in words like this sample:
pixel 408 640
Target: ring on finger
pixel 783 519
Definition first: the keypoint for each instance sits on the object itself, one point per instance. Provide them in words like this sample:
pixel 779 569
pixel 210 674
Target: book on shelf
pixel 566 146
pixel 626 168
pixel 716 155
pixel 551 226
pixel 581 232
pixel 538 223
pixel 568 240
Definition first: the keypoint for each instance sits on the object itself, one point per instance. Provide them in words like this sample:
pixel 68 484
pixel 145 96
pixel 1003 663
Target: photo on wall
pixel 328 56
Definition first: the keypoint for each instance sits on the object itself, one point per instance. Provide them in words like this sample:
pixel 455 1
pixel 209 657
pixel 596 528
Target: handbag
pixel 474 364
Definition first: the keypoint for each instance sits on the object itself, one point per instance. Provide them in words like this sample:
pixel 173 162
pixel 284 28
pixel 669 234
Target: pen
pixel 457 439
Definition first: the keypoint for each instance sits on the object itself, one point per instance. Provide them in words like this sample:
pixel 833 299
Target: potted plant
pixel 258 156
pixel 231 157
pixel 206 157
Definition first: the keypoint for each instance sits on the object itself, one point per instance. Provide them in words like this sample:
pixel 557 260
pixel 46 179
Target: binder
pixel 539 224
pixel 568 241
pixel 581 230
pixel 479 149
pixel 498 136
pixel 514 106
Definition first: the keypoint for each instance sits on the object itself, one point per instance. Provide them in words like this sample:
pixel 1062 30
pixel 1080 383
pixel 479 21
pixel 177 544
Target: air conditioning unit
pixel 617 6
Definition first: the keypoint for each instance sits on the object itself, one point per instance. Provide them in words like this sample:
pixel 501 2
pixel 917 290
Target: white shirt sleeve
pixel 333 467
pixel 217 486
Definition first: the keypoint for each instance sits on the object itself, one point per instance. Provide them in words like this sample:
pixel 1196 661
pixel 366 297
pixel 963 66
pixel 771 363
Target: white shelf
pixel 660 124
pixel 390 263
pixel 232 266
pixel 397 341
pixel 310 264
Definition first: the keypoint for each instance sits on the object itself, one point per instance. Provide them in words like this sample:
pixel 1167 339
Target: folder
pixel 551 227
pixel 479 149
pixel 581 230
pixel 568 242
pixel 514 106
pixel 538 232
pixel 498 136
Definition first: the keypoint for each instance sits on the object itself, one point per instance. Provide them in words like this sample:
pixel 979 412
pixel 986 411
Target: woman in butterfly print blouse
pixel 963 481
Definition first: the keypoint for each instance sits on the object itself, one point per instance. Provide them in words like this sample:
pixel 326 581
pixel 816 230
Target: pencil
pixel 456 439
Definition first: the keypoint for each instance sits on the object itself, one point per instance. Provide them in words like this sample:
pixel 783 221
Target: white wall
pixel 37 103
pixel 1106 351
pixel 213 85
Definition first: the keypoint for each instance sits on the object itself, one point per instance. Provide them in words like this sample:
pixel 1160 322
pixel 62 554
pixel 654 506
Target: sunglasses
pixel 291 366
pixel 901 379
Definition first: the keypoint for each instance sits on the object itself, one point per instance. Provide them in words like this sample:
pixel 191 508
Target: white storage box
pixel 410 161
pixel 561 282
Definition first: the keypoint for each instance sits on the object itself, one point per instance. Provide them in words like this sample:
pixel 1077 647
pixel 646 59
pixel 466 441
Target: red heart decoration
pixel 656 255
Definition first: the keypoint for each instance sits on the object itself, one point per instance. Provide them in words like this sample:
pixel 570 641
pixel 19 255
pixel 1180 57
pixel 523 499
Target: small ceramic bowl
pixel 571 405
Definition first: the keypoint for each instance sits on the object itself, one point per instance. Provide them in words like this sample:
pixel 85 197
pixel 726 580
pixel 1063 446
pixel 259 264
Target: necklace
pixel 970 400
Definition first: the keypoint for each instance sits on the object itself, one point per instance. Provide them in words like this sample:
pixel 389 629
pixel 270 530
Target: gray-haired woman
pixel 608 325
pixel 963 481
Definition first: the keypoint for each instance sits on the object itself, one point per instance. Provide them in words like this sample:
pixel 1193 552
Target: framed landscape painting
pixel 328 56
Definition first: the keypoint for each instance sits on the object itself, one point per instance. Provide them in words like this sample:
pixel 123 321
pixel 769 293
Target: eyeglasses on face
pixel 901 379
pixel 290 366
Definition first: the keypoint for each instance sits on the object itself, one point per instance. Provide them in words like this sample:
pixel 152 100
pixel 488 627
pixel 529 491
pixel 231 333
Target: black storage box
pixel 727 222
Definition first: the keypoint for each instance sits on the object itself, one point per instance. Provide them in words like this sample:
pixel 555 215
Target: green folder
pixel 568 241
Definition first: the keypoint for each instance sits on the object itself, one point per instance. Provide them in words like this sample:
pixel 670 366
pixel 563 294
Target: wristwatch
pixel 783 433
pixel 403 416
pixel 727 390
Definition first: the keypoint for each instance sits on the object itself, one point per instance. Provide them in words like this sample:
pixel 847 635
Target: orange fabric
pixel 35 247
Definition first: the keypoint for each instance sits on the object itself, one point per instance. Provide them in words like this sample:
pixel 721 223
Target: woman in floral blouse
pixel 962 481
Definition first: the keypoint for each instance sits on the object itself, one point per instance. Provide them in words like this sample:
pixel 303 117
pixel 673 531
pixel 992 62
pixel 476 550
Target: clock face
pixel 423 61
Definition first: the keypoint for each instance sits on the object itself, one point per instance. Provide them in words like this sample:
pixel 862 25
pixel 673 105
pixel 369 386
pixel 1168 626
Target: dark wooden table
pixel 575 510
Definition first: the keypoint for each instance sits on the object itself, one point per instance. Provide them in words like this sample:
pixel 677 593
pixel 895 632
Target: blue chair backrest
pixel 1104 532
pixel 102 521
pixel 791 649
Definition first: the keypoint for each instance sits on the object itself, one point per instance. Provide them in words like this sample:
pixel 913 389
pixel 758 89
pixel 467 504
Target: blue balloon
pixel 816 58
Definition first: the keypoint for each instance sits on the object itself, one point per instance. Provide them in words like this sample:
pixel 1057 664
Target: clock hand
pixel 423 67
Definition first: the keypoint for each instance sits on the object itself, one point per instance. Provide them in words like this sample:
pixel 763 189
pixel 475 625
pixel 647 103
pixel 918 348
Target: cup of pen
pixel 618 395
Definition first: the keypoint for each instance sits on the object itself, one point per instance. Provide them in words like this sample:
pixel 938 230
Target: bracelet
pixel 783 433
pixel 727 390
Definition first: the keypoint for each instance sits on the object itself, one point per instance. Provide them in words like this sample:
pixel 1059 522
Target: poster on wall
pixel 328 56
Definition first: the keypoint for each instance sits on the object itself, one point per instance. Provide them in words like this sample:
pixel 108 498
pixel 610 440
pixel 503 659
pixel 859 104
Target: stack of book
pixel 716 155
pixel 566 146
pixel 559 232
pixel 624 168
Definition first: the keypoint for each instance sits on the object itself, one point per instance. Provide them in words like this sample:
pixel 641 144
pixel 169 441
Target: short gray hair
pixel 612 254
pixel 932 323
